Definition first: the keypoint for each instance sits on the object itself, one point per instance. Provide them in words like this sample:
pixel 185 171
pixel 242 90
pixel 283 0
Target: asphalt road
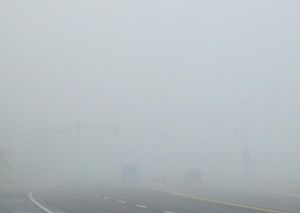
pixel 119 199
pixel 131 200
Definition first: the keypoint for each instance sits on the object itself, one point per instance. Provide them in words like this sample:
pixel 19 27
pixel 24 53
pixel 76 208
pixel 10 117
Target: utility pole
pixel 246 156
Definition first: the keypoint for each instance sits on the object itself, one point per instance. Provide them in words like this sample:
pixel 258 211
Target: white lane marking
pixel 237 205
pixel 141 206
pixel 97 195
pixel 106 198
pixel 38 204
pixel 91 193
pixel 122 201
pixel 168 212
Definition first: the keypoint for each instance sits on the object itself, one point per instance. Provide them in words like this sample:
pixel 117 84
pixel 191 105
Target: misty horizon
pixel 207 85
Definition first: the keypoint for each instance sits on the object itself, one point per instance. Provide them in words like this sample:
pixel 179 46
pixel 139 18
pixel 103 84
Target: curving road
pixel 133 200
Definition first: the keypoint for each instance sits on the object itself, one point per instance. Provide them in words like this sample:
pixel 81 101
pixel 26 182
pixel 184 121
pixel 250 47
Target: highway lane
pixel 15 200
pixel 132 200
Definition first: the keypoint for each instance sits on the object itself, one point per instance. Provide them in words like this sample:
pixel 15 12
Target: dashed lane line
pixel 141 206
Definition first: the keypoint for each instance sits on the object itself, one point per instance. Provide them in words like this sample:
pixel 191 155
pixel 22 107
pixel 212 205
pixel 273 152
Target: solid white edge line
pixel 236 205
pixel 106 198
pixel 168 212
pixel 37 203
pixel 141 206
pixel 122 201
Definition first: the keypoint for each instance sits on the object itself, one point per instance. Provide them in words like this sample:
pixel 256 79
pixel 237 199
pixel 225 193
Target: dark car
pixel 130 174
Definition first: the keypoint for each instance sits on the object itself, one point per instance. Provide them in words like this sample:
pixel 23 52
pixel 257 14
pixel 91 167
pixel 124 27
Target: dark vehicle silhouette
pixel 130 174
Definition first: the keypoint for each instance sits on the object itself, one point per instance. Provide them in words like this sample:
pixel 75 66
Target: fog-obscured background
pixel 88 86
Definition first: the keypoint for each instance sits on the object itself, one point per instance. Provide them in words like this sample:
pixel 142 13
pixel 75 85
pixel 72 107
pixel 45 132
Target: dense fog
pixel 90 86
